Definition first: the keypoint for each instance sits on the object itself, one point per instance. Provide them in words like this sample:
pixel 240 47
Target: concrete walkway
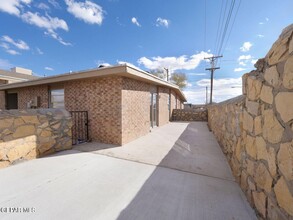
pixel 176 172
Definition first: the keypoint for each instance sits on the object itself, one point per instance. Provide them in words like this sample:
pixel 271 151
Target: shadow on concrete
pixel 204 190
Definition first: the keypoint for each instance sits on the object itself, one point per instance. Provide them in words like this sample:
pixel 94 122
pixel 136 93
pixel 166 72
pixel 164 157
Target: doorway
pixel 11 101
pixel 153 110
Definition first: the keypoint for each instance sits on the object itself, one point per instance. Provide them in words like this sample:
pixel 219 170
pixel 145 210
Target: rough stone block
pixel 288 73
pixel 291 46
pixel 284 196
pixel 271 75
pixel 6 122
pixel 274 211
pixel 253 88
pixel 250 146
pixel 267 94
pixel 252 107
pixel 284 105
pixel 260 202
pixel 263 178
pixel 257 125
pixel 30 119
pixel 272 129
pixel 21 147
pixel 247 121
pixel 24 131
pixel 267 154
pixel 285 160
pixel 4 164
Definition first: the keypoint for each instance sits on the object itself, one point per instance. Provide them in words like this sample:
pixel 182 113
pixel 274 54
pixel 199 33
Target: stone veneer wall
pixel 28 134
pixel 190 115
pixel 256 131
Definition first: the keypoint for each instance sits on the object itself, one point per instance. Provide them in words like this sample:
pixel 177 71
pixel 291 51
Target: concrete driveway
pixel 176 172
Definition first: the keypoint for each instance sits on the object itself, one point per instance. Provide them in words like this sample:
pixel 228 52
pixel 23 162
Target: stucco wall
pixel 256 132
pixel 28 134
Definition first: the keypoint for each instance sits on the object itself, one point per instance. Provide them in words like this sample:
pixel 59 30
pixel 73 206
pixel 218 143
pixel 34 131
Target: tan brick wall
pixel 102 99
pixel 173 101
pixel 2 95
pixel 29 93
pixel 135 109
pixel 164 114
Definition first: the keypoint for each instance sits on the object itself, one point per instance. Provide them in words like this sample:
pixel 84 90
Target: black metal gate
pixel 80 131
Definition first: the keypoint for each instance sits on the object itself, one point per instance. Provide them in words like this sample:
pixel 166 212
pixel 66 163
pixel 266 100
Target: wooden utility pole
pixel 212 69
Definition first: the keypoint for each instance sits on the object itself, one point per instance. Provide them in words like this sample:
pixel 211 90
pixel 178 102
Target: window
pixel 57 98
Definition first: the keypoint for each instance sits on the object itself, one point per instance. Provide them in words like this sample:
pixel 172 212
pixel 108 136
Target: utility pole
pixel 212 69
pixel 167 71
pixel 206 95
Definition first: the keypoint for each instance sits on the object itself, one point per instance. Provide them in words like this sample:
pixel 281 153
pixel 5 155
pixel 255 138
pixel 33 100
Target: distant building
pixel 16 74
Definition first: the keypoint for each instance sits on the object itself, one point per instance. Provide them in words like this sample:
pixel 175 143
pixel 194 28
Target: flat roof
pixel 119 70
pixel 15 75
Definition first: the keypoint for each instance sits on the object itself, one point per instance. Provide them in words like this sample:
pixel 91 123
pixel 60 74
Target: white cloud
pixel 196 74
pixel 55 4
pixel 87 11
pixel 39 51
pixel 246 46
pixel 224 89
pixel 134 21
pixel 162 22
pixel 260 36
pixel 12 52
pixel 13 7
pixel 241 63
pixel 253 61
pixel 49 68
pixel 174 63
pixel 239 69
pixel 5 64
pixel 45 22
pixel 43 6
pixel 267 19
pixel 189 85
pixel 20 44
pixel 261 23
pixel 127 63
pixel 51 24
pixel 55 36
pixel 244 57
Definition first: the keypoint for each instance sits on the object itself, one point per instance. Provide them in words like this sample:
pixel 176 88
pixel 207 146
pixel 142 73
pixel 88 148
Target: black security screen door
pixel 80 131
pixel 12 102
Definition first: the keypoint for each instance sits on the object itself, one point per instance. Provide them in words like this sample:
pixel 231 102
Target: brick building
pixel 122 102
pixel 16 74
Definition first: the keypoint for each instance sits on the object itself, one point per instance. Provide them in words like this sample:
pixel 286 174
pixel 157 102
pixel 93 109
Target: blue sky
pixel 52 37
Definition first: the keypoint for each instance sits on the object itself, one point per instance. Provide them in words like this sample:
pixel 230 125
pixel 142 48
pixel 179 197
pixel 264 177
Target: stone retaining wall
pixel 255 131
pixel 28 134
pixel 190 114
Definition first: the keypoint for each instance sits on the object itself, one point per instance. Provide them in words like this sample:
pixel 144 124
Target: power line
pixel 219 23
pixel 226 26
pixel 232 26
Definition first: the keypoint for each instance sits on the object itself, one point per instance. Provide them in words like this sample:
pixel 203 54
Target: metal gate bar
pixel 80 132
